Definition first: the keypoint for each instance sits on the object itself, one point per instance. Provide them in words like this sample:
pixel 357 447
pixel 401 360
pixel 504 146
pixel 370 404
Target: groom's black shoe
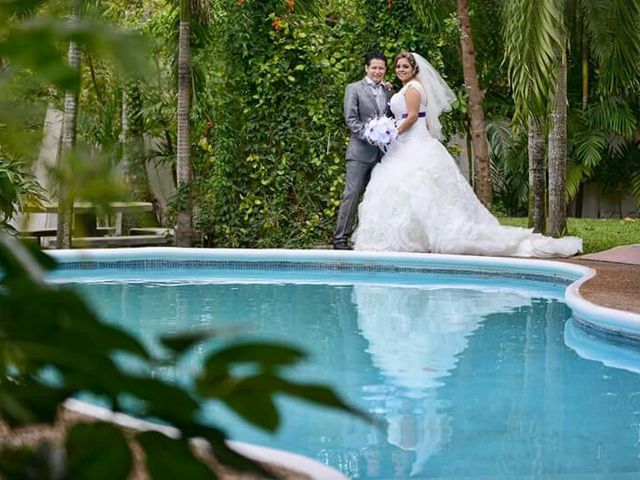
pixel 341 245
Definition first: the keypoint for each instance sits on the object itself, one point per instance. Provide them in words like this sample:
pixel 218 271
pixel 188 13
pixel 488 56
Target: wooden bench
pixel 86 212
pixel 119 241
pixel 38 235
pixel 167 232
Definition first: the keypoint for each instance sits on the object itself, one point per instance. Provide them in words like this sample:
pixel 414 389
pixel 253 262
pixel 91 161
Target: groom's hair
pixel 374 56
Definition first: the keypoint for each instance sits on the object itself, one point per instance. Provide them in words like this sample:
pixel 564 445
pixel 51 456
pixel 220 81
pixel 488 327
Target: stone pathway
pixel 626 254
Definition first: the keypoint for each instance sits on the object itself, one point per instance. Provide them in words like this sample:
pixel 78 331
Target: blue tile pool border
pixel 609 324
pixel 622 338
pixel 143 265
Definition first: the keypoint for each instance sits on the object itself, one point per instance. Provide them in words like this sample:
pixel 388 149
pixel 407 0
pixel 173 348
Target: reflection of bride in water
pixel 415 338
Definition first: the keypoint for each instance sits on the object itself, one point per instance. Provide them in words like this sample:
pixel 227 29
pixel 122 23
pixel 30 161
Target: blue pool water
pixel 472 379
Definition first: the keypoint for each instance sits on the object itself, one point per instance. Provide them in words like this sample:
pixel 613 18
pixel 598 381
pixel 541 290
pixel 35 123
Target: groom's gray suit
pixel 360 106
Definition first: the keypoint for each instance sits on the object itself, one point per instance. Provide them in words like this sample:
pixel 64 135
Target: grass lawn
pixel 597 234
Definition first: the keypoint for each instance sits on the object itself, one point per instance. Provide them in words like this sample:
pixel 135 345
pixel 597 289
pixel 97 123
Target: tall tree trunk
pixel 133 141
pixel 470 156
pixel 557 224
pixel 483 185
pixel 183 164
pixel 133 151
pixel 537 180
pixel 584 104
pixel 585 70
pixel 69 129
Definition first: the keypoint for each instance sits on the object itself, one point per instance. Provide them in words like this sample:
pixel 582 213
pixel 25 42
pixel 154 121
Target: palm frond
pixel 432 12
pixel 304 7
pixel 613 27
pixel 195 11
pixel 533 32
pixel 613 114
pixel 617 145
pixel 589 147
pixel 500 137
pixel 509 166
pixel 19 8
pixel 201 11
pixel 576 174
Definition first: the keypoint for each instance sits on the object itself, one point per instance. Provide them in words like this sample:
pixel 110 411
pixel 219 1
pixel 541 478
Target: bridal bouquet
pixel 380 131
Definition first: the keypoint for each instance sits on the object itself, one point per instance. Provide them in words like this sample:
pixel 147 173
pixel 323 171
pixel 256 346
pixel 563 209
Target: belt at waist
pixel 420 115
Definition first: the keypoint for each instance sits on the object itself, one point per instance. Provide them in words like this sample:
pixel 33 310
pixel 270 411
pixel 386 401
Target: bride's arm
pixel 412 97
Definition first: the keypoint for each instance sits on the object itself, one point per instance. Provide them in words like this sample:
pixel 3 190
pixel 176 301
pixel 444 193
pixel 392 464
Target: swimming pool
pixel 472 363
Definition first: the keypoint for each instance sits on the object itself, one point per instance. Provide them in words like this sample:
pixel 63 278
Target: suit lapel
pixel 369 94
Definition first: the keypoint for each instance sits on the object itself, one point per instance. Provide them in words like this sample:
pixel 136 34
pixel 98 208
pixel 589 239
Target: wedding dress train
pixel 418 201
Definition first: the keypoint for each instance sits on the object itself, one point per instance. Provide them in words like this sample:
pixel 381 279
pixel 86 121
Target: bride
pixel 417 199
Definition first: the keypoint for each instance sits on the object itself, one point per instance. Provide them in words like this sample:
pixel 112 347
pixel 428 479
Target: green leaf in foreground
pixel 267 355
pixel 97 451
pixel 169 459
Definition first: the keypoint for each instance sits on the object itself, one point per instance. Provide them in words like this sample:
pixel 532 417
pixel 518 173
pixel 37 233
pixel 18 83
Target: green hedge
pixel 270 167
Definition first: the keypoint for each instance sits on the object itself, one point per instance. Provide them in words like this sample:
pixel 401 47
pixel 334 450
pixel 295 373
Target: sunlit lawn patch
pixel 597 234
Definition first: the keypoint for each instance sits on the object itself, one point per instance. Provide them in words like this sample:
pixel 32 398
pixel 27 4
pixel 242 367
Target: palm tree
pixel 197 11
pixel 69 131
pixel 537 177
pixel 605 126
pixel 537 39
pixel 133 154
pixel 532 35
pixel 557 223
pixel 190 10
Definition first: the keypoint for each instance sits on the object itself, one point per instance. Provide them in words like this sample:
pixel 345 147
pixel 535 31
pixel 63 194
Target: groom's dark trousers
pixel 360 106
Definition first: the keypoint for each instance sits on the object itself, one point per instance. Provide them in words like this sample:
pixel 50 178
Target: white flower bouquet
pixel 381 131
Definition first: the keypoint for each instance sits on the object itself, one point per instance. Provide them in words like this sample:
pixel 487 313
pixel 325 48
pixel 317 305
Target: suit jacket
pixel 360 106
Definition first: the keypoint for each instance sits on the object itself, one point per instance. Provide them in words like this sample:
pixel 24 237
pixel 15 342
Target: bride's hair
pixel 410 58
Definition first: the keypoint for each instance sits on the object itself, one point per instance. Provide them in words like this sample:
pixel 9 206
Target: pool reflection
pixel 415 337
pixel 468 381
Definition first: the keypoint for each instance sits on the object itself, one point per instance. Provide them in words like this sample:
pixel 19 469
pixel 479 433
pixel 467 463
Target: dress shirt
pixel 378 93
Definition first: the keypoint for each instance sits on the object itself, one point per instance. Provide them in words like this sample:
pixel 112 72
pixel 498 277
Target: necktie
pixel 378 92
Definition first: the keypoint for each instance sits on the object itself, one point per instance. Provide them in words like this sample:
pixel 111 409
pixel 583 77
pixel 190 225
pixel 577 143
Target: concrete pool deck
pixel 617 282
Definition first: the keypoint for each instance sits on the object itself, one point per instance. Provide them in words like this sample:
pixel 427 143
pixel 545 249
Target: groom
pixel 363 100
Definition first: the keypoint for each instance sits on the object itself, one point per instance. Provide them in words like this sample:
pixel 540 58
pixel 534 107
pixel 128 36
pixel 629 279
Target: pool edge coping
pixel 613 321
pixel 260 453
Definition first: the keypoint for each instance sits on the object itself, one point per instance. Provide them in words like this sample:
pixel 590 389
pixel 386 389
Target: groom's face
pixel 375 70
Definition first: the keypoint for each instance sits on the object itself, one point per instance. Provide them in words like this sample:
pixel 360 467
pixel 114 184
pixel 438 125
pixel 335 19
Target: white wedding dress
pixel 418 201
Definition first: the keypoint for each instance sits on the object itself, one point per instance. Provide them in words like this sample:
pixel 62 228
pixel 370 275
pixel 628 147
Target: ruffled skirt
pixel 418 201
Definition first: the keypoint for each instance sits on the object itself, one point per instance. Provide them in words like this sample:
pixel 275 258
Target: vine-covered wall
pixel 271 163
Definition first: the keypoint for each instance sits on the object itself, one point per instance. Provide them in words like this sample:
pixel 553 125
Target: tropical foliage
pixel 259 155
pixel 54 348
pixel 272 161
pixel 18 189
pixel 243 99
pixel 596 45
